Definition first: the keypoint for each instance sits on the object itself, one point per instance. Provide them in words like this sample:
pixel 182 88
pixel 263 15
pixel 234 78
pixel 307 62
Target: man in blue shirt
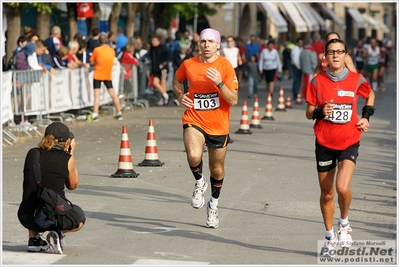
pixel 121 40
pixel 253 47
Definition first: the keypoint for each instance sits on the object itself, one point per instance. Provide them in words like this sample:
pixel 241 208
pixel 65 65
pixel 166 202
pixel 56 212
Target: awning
pixel 317 16
pixel 357 17
pixel 383 26
pixel 293 13
pixel 332 16
pixel 279 21
pixel 373 23
pixel 307 15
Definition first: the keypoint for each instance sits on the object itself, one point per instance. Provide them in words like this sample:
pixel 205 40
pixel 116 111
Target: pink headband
pixel 210 34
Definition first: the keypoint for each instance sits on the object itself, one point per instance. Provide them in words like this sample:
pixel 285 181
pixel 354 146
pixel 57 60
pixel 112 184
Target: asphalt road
pixel 268 208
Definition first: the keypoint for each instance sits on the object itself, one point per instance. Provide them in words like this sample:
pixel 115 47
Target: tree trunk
pixel 13 15
pixel 131 13
pixel 93 22
pixel 72 20
pixel 146 10
pixel 113 19
pixel 43 24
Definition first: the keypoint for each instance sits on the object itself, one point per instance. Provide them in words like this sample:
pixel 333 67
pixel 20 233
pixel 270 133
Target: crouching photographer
pixel 51 166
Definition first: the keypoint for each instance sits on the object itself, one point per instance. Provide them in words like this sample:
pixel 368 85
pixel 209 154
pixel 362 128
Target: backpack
pixel 52 207
pixel 12 62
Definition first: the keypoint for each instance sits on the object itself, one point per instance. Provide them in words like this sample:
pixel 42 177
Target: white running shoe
pixel 212 220
pixel 331 244
pixel 54 243
pixel 197 199
pixel 344 235
pixel 62 239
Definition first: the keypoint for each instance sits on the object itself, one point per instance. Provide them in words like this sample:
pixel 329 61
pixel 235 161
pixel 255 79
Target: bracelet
pixel 318 114
pixel 367 111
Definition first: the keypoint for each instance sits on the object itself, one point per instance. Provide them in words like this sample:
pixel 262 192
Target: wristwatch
pixel 220 85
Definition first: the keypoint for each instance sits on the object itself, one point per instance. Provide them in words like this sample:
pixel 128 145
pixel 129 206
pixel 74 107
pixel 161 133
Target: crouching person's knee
pixel 75 220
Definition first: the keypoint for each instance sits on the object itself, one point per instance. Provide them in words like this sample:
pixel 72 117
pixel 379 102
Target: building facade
pixel 286 21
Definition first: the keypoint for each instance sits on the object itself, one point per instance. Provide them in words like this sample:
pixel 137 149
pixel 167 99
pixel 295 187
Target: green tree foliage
pixel 42 7
pixel 187 11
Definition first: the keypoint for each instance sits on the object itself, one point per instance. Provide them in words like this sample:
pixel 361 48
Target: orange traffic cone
pixel 125 165
pixel 244 125
pixel 298 99
pixel 255 120
pixel 151 150
pixel 288 104
pixel 269 109
pixel 280 103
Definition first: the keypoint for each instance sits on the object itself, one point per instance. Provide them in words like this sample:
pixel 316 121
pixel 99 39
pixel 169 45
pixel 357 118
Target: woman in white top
pixel 372 54
pixel 232 53
pixel 269 63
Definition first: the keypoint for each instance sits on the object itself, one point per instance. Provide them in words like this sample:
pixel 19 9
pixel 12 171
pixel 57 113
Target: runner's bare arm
pixel 183 98
pixel 229 95
pixel 309 111
pixel 363 123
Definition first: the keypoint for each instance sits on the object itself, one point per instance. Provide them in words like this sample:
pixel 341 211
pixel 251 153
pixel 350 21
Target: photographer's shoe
pixel 36 244
pixel 54 242
pixel 62 239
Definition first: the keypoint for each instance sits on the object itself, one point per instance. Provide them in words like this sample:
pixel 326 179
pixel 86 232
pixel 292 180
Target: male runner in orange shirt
pixel 213 90
pixel 103 59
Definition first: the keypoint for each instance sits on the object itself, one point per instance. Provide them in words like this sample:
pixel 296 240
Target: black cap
pixel 59 130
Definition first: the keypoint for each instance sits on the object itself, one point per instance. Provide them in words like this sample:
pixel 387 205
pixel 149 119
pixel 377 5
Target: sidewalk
pixel 269 210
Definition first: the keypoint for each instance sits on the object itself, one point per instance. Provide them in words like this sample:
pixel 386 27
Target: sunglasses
pixel 332 52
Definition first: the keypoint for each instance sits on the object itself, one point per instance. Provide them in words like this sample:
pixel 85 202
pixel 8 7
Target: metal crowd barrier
pixel 50 96
pixel 28 96
pixel 129 85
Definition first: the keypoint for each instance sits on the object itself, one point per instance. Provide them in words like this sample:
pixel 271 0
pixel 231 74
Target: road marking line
pixel 29 258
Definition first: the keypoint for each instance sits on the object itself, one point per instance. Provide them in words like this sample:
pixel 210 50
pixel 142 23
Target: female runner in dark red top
pixel 332 97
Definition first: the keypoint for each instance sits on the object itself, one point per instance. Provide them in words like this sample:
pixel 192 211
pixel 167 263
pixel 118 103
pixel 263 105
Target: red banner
pixel 85 10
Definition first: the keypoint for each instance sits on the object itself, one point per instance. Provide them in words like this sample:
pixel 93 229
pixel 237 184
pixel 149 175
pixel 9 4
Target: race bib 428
pixel 341 113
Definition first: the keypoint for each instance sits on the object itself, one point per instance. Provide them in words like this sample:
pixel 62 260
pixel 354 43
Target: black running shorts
pixel 327 158
pixel 211 141
pixel 97 84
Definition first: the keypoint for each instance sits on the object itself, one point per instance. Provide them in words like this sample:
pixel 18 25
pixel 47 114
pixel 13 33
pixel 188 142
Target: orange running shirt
pixel 103 58
pixel 210 112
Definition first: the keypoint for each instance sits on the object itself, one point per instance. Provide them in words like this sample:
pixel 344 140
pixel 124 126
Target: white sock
pixel 165 95
pixel 201 181
pixel 330 234
pixel 374 85
pixel 343 222
pixel 214 202
pixel 94 115
pixel 119 113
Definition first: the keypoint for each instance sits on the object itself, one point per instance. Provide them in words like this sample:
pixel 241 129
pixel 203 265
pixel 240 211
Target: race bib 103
pixel 206 101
